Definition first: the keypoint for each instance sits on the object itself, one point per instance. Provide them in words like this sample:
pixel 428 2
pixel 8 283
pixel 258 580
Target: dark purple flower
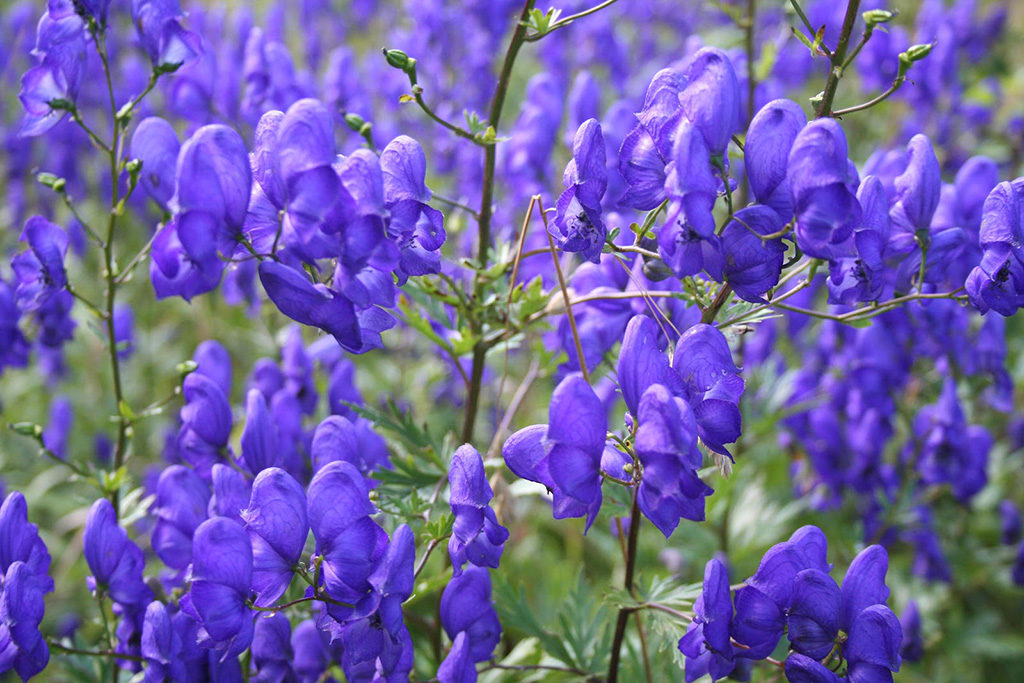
pixel 277 526
pixel 861 276
pixel 707 644
pixel 309 304
pixel 766 153
pixel 161 645
pixel 712 382
pixel 182 498
pixel 231 491
pixel 213 361
pixel 477 537
pixel 457 666
pixel 22 646
pixel 711 98
pixel 206 423
pixel 114 559
pixel 260 447
pixel 912 648
pixel 998 281
pixel 272 648
pixel 752 263
pixel 466 607
pixel 823 182
pixel 578 226
pixel 642 362
pixel 221 577
pixel 40 269
pixel 1010 523
pixel 416 226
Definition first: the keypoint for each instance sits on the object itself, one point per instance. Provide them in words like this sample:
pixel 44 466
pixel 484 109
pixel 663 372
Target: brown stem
pixel 838 59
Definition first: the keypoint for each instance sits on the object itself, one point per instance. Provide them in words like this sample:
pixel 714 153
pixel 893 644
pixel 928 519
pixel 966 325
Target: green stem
pixel 838 59
pixel 562 23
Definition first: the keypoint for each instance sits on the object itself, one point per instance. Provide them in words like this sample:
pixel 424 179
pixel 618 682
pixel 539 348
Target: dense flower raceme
pixel 256 189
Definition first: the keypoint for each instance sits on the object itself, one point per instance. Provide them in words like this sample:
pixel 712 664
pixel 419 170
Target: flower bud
pixel 878 16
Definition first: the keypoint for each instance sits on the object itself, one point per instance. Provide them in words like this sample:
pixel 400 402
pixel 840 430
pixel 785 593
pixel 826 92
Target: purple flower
pixel 221 574
pixel 167 43
pixel 997 283
pixel 565 455
pixel 766 153
pixel 1010 522
pixel 114 559
pixel 182 498
pixel 861 276
pixel 60 49
pixel 457 666
pixel 260 447
pixel 711 98
pixel 214 361
pixel 155 144
pixel 277 526
pixel 206 423
pixel 349 542
pixel 22 646
pixel 466 607
pixel 55 436
pixel 309 304
pixel 752 263
pixel 416 226
pixel 272 648
pixel 712 384
pixel 477 537
pixel 823 182
pixel 40 269
pixel 578 226
pixel 161 645
pixel 13 344
pixel 912 647
pixel 231 491
pixel 707 644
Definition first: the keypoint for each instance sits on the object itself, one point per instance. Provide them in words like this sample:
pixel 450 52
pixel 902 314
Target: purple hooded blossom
pixel 417 227
pixel 707 644
pixel 206 423
pixel 712 384
pixel 861 276
pixel 231 492
pixel 566 454
pixel 466 607
pixel 260 447
pixel 164 39
pixel 182 498
pixel 578 226
pixel 823 182
pixel 39 269
pixel 272 648
pixel 114 559
pixel 221 577
pixel 155 144
pixel 766 153
pixel 752 264
pixel 277 526
pixel 997 283
pixel 477 537
pixel 13 344
pixel 161 645
pixel 60 51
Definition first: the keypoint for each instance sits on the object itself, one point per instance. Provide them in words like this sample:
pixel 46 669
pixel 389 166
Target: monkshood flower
pixel 231 492
pixel 823 182
pixel 666 444
pixel 260 446
pixel 1010 526
pixel 477 537
pixel 997 283
pixel 712 384
pixel 39 270
pixel 165 40
pixel 711 98
pixel 917 191
pixel 161 646
pixel 155 143
pixel 578 227
pixel 338 438
pixel 211 197
pixel 277 526
pixel 752 263
pixel 349 542
pixel 466 607
pixel 205 423
pixel 861 276
pixel 766 153
pixel 55 436
pixel 946 450
pixel 22 646
pixel 417 227
pixel 14 347
pixel 213 361
pixel 221 576
pixel 457 666
pixel 124 323
pixel 707 645
pixel 182 499
pixel 60 50
pixel 272 648
pixel 566 454
pixel 1017 572
pixel 378 646
pixel 25 563
pixel 687 242
pixel 297 370
pixel 647 148
pixel 912 647
pixel 114 559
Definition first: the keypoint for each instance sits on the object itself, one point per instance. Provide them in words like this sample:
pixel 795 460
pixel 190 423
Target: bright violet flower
pixel 40 268
pixel 158 23
pixel 155 144
pixel 260 449
pixel 997 283
pixel 272 648
pixel 221 577
pixel 862 275
pixel 417 227
pixel 182 498
pixel 466 607
pixel 578 226
pixel 752 264
pixel 457 666
pixel 766 153
pixel 310 304
pixel 566 455
pixel 707 644
pixel 161 645
pixel 823 182
pixel 60 49
pixel 206 423
pixel 712 382
pixel 114 559
pixel 231 491
pixel 214 361
pixel 711 98
pixel 277 526
pixel 477 537
pixel 22 646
